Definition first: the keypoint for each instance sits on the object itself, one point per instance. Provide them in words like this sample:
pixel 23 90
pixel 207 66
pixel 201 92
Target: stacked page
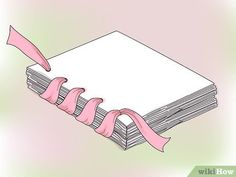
pixel 128 74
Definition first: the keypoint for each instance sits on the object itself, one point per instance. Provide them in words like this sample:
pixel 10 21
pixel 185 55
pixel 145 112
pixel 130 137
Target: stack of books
pixel 128 74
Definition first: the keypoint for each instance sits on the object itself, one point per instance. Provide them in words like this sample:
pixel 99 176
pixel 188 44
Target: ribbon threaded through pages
pixel 87 115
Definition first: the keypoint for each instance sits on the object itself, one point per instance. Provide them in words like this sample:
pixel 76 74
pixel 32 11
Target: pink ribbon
pixel 151 137
pixel 53 89
pixel 107 126
pixel 87 115
pixel 27 47
pixel 70 101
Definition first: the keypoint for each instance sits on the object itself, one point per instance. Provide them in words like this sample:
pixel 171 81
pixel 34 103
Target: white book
pixel 126 74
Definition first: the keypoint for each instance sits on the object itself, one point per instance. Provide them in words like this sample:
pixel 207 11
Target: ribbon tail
pixel 28 48
pixel 155 140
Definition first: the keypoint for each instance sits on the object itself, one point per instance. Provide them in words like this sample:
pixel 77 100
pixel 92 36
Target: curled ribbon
pixel 70 102
pixel 87 115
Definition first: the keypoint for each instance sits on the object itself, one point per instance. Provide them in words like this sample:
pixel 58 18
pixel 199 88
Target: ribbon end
pixel 10 38
pixel 48 69
pixel 165 141
pixel 28 48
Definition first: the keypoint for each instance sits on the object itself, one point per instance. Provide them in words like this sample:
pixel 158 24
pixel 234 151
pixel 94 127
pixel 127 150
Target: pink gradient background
pixel 36 139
